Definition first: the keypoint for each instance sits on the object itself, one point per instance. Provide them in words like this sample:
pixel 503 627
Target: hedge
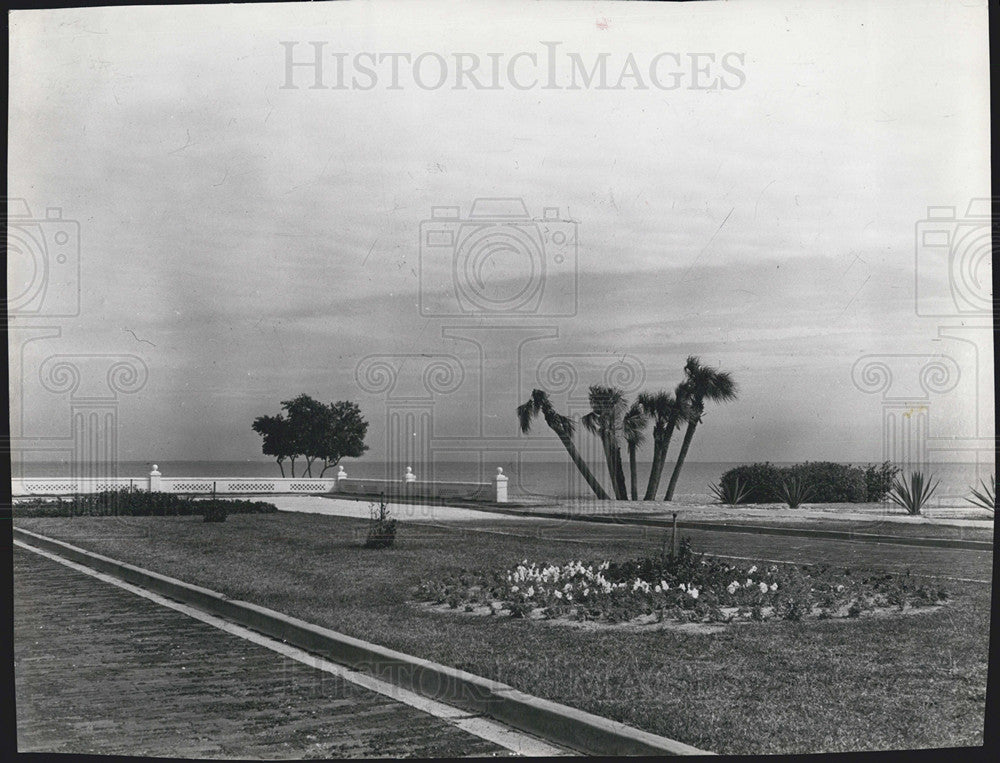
pixel 828 482
pixel 137 503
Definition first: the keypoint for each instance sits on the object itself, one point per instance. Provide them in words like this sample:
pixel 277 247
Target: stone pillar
pixel 341 475
pixel 154 480
pixel 409 476
pixel 501 486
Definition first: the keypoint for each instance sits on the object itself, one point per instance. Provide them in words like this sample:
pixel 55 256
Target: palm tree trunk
pixel 688 436
pixel 609 458
pixel 631 469
pixel 582 467
pixel 660 451
pixel 620 472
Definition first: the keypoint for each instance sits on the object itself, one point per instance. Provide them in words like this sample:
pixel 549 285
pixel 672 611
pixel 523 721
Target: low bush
pixel 382 527
pixel 136 503
pixel 821 481
pixel 878 480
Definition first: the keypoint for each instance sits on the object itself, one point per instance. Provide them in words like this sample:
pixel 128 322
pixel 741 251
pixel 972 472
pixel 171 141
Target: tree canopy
pixel 314 431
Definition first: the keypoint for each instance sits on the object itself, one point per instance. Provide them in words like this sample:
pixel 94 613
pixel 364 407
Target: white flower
pixel 657 588
pixel 774 586
pixel 664 586
pixel 752 570
pixel 840 588
pixel 763 587
pixel 558 594
pixel 693 592
pixel 513 589
pixel 568 587
pixel 732 587
pixel 749 582
pixel 569 597
pixel 530 592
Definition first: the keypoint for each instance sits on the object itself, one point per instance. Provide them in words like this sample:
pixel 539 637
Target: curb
pixel 554 722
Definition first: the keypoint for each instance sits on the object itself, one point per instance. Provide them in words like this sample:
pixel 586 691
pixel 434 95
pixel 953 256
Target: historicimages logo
pixel 311 65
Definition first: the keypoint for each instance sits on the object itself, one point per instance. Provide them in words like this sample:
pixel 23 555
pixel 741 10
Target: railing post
pixel 409 476
pixel 501 486
pixel 341 475
pixel 154 480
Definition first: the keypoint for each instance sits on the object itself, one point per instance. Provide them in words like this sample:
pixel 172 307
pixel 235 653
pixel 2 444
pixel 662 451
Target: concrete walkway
pixel 402 511
pixel 99 670
pixel 849 514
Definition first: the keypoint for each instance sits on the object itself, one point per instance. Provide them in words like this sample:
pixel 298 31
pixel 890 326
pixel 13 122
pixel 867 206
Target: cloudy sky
pixel 247 240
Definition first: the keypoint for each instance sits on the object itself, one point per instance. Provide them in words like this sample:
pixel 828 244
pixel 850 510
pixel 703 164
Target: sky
pixel 244 237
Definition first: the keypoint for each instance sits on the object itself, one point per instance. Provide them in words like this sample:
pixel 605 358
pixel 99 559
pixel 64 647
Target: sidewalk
pixel 102 671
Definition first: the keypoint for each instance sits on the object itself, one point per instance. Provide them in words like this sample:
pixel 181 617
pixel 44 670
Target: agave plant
pixel 794 492
pixel 987 497
pixel 730 492
pixel 914 495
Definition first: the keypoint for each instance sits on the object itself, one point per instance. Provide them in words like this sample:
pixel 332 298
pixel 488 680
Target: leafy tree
pixel 563 427
pixel 701 383
pixel 314 431
pixel 608 406
pixel 667 412
pixel 633 428
pixel 277 439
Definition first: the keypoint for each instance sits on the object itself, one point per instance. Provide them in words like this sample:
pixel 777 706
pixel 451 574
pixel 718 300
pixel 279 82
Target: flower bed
pixel 687 588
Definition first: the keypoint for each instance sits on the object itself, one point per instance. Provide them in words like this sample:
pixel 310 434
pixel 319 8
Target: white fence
pixel 408 486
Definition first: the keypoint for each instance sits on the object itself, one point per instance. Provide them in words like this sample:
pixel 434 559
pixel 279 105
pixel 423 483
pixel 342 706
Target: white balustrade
pixel 156 482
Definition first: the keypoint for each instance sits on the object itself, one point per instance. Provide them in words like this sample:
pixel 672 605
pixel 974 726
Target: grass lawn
pixel 778 687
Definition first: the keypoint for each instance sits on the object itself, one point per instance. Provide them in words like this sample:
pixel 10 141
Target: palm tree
pixel 701 383
pixel 563 426
pixel 633 426
pixel 667 412
pixel 608 406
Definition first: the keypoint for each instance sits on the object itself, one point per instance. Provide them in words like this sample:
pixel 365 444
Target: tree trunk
pixel 609 459
pixel 660 451
pixel 582 467
pixel 292 459
pixel 281 467
pixel 328 465
pixel 631 470
pixel 309 467
pixel 620 472
pixel 688 436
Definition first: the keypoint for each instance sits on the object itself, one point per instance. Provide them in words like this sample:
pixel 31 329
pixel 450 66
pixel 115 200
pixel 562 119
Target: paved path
pixel 345 507
pixel 99 670
pixel 848 514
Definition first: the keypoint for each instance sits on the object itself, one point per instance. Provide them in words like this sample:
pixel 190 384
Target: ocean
pixel 543 479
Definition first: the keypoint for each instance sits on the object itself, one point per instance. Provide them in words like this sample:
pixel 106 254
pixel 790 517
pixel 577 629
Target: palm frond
pixel 794 492
pixel 987 497
pixel 914 495
pixel 730 493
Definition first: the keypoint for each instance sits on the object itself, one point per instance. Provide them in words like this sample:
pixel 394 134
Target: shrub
pixel 382 527
pixel 878 480
pixel 214 511
pixel 760 480
pixel 987 497
pixel 831 482
pixel 134 503
pixel 914 495
pixel 795 492
pixel 731 492
pixel 826 482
